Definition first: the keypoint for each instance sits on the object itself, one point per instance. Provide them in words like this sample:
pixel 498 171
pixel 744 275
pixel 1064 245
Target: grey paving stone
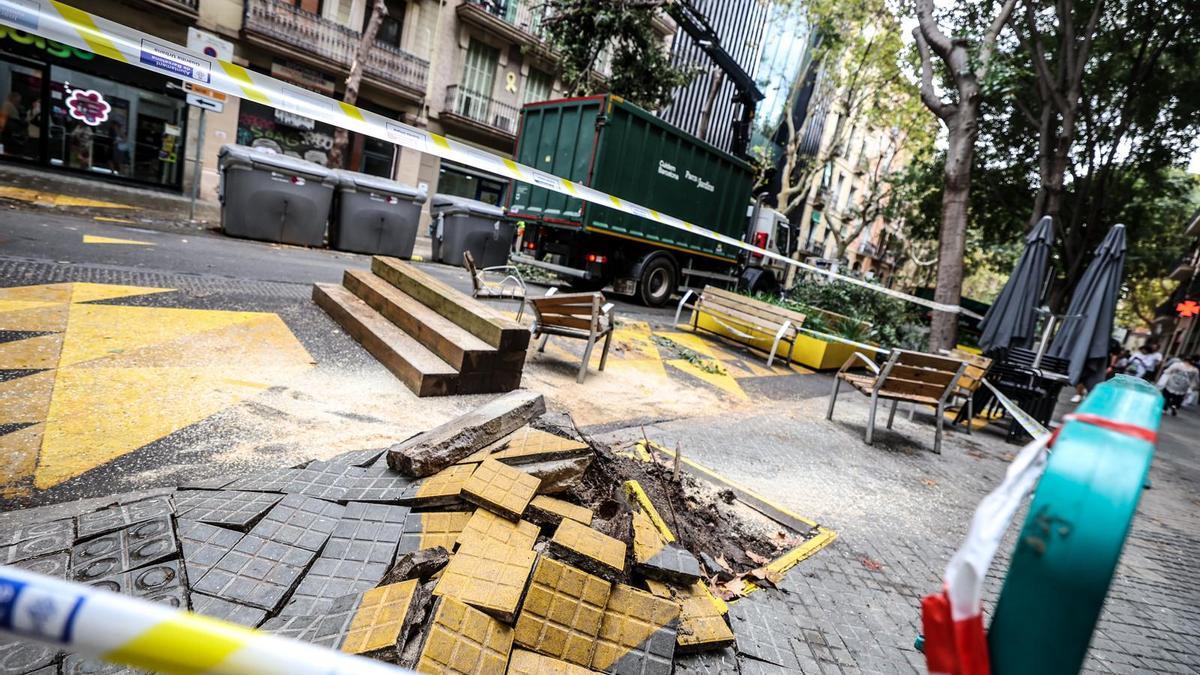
pixel 329 483
pixel 301 521
pixel 203 545
pixel 160 582
pixel 56 565
pixel 718 662
pixel 367 533
pixel 329 579
pixel 353 458
pixel 34 548
pixel 333 624
pixel 124 515
pixel 749 666
pixel 376 484
pixel 80 665
pixel 214 483
pixel 48 670
pixel 673 564
pixel 22 656
pixel 64 528
pixel 238 509
pixel 126 549
pixel 256 572
pixel 655 656
pixel 295 626
pixel 220 608
pixel 272 480
pixel 763 628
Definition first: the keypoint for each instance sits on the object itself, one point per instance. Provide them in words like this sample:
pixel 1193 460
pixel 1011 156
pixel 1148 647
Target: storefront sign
pixel 175 61
pixel 51 47
pixel 302 76
pixel 88 106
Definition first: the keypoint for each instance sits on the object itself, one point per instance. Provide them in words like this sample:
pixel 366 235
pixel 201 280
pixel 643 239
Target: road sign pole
pixel 196 169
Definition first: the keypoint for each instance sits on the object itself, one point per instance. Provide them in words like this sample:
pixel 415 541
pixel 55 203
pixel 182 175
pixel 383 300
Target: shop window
pixel 20 111
pixel 461 183
pixel 537 86
pixel 392 28
pixel 479 76
pixel 377 157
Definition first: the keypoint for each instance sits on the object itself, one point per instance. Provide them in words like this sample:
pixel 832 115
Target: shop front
pixel 67 108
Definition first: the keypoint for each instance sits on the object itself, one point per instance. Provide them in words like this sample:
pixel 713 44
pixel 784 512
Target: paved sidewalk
pixel 900 511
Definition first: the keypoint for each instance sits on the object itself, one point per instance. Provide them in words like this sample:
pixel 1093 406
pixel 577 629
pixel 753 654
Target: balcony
pixel 518 20
pixel 480 115
pixel 185 8
pixel 322 43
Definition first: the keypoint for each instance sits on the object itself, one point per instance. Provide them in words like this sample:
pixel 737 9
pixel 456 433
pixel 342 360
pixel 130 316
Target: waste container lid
pixel 355 180
pixel 452 204
pixel 241 155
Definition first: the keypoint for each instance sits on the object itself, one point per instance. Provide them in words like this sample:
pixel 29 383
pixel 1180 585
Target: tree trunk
pixel 960 152
pixel 341 137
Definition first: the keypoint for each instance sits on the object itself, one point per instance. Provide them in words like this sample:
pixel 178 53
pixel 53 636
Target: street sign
pixel 205 103
pixel 210 45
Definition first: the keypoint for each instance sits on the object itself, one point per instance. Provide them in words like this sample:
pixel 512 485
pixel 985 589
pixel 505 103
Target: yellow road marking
pixel 722 381
pixel 40 352
pixel 109 219
pixel 55 199
pixel 93 239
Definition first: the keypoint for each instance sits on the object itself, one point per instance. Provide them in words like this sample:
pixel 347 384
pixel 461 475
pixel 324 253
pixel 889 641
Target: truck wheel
pixel 657 282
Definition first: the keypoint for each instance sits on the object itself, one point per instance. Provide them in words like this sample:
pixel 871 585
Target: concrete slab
pixel 591 551
pixel 461 639
pixel 763 629
pixel 203 545
pixel 528 445
pixel 562 612
pixel 440 489
pixel 300 521
pixel 486 528
pixel 124 515
pixel 525 662
pixel 556 476
pixel 220 608
pixel 500 488
pixel 382 617
pixel 433 528
pixel 702 626
pixel 489 577
pixel 256 572
pixel 549 511
pixel 375 484
pixel 637 635
pixel 137 545
pixel 231 508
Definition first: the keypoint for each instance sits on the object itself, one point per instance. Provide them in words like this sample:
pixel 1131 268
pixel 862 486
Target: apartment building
pixel 460 68
pixel 1177 321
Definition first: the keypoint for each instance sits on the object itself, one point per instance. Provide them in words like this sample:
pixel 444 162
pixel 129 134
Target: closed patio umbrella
pixel 1010 320
pixel 1086 332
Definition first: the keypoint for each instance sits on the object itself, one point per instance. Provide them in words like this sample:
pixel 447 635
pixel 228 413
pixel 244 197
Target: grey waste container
pixel 274 197
pixel 461 224
pixel 375 215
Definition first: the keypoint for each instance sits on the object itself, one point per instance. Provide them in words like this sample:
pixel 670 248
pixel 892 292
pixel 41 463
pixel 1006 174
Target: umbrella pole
pixel 1050 321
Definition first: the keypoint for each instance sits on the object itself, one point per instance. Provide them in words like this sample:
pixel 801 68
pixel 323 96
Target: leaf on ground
pixel 730 590
pixel 724 563
pixel 756 558
pixel 870 564
pixel 762 576
pixel 929 482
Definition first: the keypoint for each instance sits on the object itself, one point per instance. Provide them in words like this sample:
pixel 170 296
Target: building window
pixel 537 86
pixel 463 182
pixel 310 6
pixel 392 28
pixel 479 76
pixel 827 174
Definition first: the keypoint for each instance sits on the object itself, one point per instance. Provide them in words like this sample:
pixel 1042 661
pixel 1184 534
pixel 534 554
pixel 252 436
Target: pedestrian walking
pixel 1145 362
pixel 1179 377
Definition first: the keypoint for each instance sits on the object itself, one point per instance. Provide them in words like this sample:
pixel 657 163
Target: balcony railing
pixel 482 109
pixel 332 42
pixel 524 14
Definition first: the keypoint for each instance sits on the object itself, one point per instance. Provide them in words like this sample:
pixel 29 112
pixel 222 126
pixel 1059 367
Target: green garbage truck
pixel 614 146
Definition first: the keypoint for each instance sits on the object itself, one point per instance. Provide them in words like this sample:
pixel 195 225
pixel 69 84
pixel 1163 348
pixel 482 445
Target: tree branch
pixel 989 39
pixel 936 105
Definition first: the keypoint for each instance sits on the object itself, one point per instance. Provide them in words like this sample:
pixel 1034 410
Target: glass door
pixel 20 111
pixel 479 76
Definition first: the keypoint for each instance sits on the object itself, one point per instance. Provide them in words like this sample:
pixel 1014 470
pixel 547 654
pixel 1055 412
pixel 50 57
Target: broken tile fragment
pixel 123 515
pixel 528 445
pixel 57 565
pixel 557 476
pixel 701 623
pixel 432 528
pixel 329 579
pixel 271 480
pixel 461 639
pixel 441 489
pixel 500 488
pixel 160 582
pixel 123 550
pixel 384 614
pixel 34 548
pixel 367 533
pixel 219 608
pixel 300 521
pixel 763 628
pixel 237 509
pixel 525 662
pixel 485 527
pixel 549 511
pixel 637 635
pixel 256 572
pixel 562 612
pixel 421 564
pixel 62 529
pixel 203 545
pixel 714 662
pixel 489 577
pixel 589 550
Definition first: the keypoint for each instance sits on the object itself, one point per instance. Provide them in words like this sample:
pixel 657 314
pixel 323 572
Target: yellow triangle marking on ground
pixel 696 344
pixel 723 382
pixel 97 331
pixel 85 292
pixel 45 293
pixel 19 305
pixel 40 352
pixel 20 452
pixel 93 239
pixel 42 318
pixel 26 399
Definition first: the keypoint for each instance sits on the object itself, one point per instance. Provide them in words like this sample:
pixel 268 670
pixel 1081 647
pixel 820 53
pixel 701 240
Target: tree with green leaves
pixel 586 34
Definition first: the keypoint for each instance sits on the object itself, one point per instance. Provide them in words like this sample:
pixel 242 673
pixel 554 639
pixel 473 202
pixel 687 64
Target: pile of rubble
pixel 475 547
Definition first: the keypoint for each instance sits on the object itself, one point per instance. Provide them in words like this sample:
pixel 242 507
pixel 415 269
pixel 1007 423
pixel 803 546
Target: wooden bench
pixel 743 316
pixel 583 316
pixel 913 377
pixel 511 287
pixel 969 383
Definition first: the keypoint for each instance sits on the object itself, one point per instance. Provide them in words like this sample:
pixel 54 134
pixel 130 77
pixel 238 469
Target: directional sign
pixel 203 97
pixel 205 103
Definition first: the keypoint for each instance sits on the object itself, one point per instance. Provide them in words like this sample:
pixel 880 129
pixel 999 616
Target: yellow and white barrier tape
pixel 58 21
pixel 151 636
pixel 1033 427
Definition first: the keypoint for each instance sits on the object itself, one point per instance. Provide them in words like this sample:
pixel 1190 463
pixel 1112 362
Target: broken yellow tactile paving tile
pixel 701 624
pixel 524 662
pixel 380 618
pixel 489 577
pixel 562 612
pixel 551 510
pixel 647 542
pixel 638 632
pixel 593 551
pixel 528 445
pixel 500 488
pixel 434 528
pixel 463 640
pixel 487 528
pixel 634 491
pixel 442 487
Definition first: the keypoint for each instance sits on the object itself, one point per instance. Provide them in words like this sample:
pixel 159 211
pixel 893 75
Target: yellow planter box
pixel 810 351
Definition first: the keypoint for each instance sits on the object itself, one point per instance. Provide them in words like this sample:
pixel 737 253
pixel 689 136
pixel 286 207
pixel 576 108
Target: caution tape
pixel 57 21
pixel 1027 422
pixel 154 637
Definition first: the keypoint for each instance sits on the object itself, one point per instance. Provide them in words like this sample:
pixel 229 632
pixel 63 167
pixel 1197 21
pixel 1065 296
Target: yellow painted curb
pixel 635 492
